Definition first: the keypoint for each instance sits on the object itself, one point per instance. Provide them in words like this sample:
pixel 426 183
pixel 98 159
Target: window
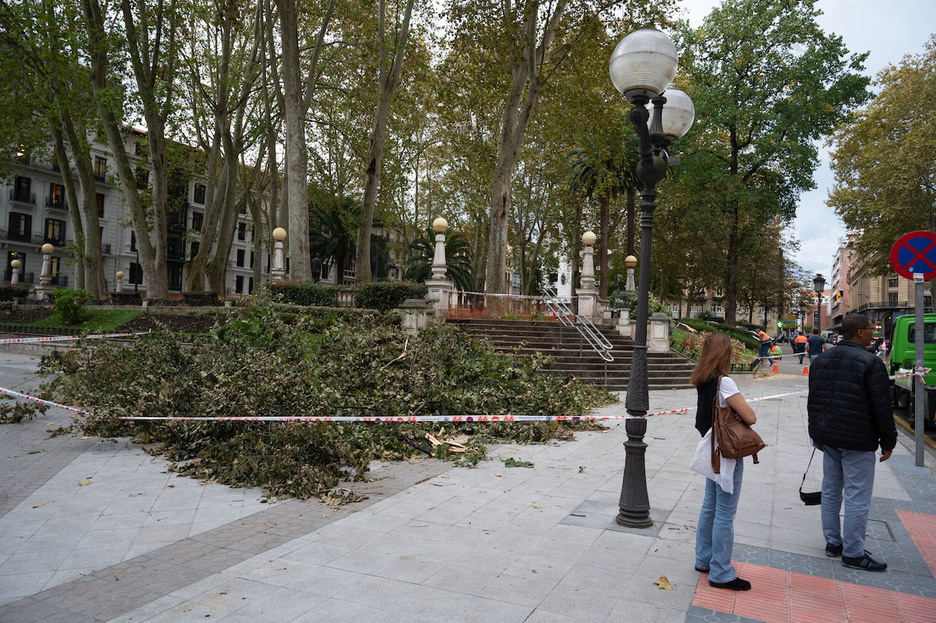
pixel 136 273
pixel 250 286
pixel 21 190
pixel 57 197
pixel 20 227
pixel 100 168
pixel 174 273
pixel 194 249
pixel 239 284
pixel 199 194
pixel 892 298
pixel 100 205
pixel 251 259
pixel 133 240
pixel 892 282
pixel 55 231
pixel 175 248
pixel 242 231
pixel 197 220
pixel 141 177
pixel 240 259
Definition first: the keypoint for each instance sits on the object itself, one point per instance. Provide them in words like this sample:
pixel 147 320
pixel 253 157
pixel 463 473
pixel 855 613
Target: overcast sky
pixel 889 31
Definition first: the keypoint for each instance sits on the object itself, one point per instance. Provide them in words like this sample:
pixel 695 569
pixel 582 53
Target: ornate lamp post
pixel 818 286
pixel 278 270
pixel 630 261
pixel 14 277
pixel 680 280
pixel 642 68
pixel 120 276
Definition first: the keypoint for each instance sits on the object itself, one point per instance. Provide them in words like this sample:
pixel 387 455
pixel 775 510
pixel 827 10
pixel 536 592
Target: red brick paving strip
pixel 922 529
pixel 779 596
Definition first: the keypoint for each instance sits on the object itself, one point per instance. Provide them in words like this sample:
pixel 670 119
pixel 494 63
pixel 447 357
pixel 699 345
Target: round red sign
pixel 915 253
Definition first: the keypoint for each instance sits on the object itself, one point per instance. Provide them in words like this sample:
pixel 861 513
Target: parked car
pixel 902 355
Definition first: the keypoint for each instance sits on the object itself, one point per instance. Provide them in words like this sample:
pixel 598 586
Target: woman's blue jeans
pixel 715 534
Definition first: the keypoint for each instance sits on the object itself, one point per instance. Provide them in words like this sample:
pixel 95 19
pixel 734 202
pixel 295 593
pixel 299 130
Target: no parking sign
pixel 915 253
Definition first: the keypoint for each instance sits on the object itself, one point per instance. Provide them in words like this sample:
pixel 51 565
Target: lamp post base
pixel 634 505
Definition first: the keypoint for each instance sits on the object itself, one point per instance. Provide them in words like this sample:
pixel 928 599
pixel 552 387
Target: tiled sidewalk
pixel 432 543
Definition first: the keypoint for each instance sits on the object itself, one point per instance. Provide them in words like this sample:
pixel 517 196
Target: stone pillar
pixel 630 261
pixel 414 315
pixel 624 327
pixel 439 287
pixel 278 268
pixel 588 295
pixel 14 276
pixel 659 334
pixel 45 287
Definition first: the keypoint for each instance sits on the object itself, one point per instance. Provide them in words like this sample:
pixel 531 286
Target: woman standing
pixel 715 533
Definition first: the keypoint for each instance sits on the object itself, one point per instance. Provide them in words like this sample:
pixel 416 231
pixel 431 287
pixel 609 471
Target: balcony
pixel 22 197
pixel 60 280
pixel 884 305
pixel 24 277
pixel 58 204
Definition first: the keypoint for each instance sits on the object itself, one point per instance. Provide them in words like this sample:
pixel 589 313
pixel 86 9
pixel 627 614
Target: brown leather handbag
pixel 736 439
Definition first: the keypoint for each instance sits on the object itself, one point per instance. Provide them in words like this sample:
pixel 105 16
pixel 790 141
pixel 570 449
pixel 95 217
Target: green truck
pixel 901 354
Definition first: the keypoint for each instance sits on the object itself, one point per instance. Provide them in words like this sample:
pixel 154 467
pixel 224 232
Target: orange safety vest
pixel 763 336
pixel 800 339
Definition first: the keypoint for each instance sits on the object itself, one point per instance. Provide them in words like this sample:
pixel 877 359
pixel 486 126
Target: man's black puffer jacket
pixel 849 400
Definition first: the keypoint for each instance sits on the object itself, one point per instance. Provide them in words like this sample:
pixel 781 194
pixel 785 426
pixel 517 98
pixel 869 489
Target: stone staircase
pixel 572 356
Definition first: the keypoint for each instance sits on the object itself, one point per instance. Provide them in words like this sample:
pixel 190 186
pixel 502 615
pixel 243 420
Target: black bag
pixel 814 498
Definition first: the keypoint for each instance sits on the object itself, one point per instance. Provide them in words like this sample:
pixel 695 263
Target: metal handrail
pixel 585 327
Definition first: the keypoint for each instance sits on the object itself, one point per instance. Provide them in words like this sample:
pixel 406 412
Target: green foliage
pixel 13 293
pixel 71 305
pixel 741 335
pixel 273 364
pixel 382 296
pixel 512 462
pixel 387 295
pixel 94 320
pixel 311 294
pixel 627 299
pixel 690 344
pixel 457 259
pixel 19 411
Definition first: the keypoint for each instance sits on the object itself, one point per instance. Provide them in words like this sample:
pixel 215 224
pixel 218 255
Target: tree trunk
pixel 631 209
pixel 61 157
pixel 388 81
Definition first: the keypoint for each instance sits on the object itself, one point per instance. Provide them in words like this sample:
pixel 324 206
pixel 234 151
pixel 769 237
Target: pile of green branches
pixel 270 364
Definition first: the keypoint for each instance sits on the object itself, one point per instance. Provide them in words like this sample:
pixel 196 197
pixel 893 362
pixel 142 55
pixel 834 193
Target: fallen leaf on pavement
pixel 664 583
pixel 84 482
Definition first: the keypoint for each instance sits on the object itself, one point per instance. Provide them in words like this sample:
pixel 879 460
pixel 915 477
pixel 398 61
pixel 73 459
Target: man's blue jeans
pixel 764 351
pixel 847 474
pixel 715 534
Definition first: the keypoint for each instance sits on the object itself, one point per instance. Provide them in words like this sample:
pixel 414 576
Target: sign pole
pixel 919 398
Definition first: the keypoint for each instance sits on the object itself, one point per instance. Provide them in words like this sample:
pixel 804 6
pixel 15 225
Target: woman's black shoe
pixel 736 584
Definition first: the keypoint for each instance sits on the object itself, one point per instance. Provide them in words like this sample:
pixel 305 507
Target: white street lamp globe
pixel 644 63
pixel 279 234
pixel 440 225
pixel 47 248
pixel 120 274
pixel 588 238
pixel 16 263
pixel 630 261
pixel 678 113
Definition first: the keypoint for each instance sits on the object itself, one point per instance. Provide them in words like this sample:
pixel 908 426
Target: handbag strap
pixel 807 469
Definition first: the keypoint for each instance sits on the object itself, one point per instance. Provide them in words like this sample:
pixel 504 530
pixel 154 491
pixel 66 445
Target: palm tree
pixel 607 167
pixel 457 259
pixel 333 225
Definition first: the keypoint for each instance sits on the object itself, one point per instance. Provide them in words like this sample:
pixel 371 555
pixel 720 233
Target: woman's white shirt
pixel 726 389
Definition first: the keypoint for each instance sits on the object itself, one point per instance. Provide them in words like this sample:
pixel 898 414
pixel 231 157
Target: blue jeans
pixel 764 351
pixel 715 534
pixel 850 472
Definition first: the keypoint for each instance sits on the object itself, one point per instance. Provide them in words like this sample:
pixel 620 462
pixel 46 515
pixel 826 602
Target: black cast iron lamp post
pixel 818 285
pixel 681 280
pixel 643 67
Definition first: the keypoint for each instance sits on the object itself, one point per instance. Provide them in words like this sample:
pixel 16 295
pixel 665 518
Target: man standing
pixel 799 346
pixel 765 342
pixel 849 417
pixel 816 344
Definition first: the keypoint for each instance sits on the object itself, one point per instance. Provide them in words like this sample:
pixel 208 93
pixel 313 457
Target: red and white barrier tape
pixel 417 418
pixel 3 390
pixel 511 296
pixel 63 338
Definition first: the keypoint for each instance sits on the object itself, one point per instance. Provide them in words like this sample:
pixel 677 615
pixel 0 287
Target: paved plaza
pixel 98 530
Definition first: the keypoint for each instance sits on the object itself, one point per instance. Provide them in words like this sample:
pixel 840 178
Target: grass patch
pixel 98 320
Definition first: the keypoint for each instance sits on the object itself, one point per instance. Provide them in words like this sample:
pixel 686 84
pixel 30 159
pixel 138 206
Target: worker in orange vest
pixel 764 340
pixel 799 346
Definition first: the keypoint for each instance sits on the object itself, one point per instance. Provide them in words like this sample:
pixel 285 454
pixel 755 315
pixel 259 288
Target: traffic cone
pixel 805 370
pixel 775 368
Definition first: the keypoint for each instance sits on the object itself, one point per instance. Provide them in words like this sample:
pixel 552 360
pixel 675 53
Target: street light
pixel 643 66
pixel 818 285
pixel 680 280
pixel 802 313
